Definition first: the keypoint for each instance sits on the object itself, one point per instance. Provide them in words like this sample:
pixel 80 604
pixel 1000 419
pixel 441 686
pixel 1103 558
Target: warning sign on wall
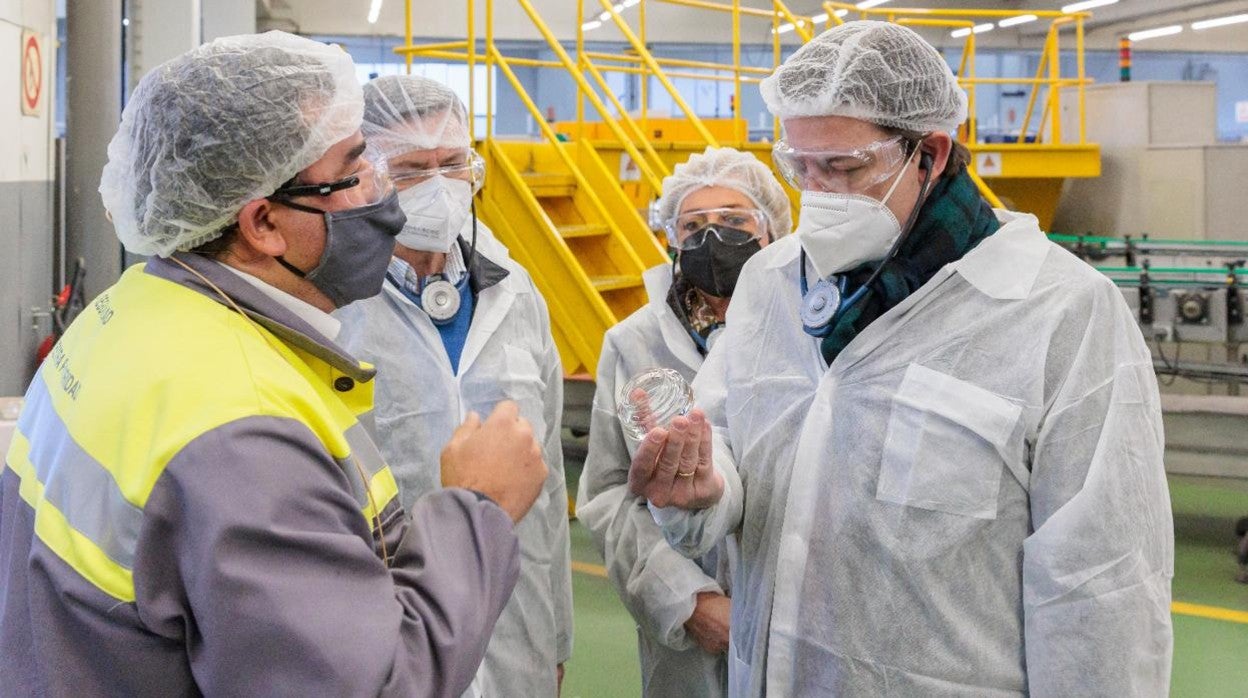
pixel 629 171
pixel 1241 112
pixel 32 74
pixel 988 164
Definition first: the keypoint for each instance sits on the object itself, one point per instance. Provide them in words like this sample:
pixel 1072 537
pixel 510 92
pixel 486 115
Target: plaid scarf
pixel 953 220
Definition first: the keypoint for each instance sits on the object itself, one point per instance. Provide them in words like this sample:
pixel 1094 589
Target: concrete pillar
pixel 158 31
pixel 228 17
pixel 94 38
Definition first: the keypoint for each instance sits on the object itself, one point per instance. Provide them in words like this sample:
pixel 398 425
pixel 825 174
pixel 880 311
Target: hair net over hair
pixel 408 112
pixel 875 71
pixel 731 168
pixel 219 126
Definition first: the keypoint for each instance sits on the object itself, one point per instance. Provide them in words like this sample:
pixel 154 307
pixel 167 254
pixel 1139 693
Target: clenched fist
pixel 498 458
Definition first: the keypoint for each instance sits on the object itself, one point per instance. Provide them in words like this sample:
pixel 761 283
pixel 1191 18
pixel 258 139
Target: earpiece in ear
pixel 925 161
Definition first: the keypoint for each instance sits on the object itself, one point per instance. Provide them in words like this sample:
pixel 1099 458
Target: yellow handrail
pixel 472 71
pixel 1035 93
pixel 421 48
pixel 1048 74
pixel 570 65
pixel 678 62
pixel 656 71
pixel 656 162
pixel 718 7
pixel 736 73
pixel 799 23
pixel 833 6
pixel 582 185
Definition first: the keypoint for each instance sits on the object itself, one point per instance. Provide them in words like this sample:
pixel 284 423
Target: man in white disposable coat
pixel 458 327
pixel 936 434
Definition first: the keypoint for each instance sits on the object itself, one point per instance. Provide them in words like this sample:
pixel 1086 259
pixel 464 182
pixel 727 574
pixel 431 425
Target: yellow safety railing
pixel 622 126
pixel 641 61
pixel 588 69
pixel 1048 77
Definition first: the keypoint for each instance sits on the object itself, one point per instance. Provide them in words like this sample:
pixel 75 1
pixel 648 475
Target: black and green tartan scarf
pixel 953 220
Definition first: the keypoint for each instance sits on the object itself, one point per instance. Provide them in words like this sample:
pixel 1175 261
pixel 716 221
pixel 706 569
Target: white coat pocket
pixel 945 448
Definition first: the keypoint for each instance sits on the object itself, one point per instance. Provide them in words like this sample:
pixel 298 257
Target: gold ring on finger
pixel 691 473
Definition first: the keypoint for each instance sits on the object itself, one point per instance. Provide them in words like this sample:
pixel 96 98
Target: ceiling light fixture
pixel 868 4
pixel 1154 33
pixel 1219 22
pixel 1015 21
pixel 977 29
pixel 617 8
pixel 817 19
pixel 1086 5
pixel 374 11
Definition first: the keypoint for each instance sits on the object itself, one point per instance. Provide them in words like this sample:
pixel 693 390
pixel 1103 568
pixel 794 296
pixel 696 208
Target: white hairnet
pixel 875 71
pixel 731 168
pixel 219 126
pixel 408 112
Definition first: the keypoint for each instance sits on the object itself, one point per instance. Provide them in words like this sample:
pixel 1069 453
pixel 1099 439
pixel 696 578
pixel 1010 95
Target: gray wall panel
pixel 25 279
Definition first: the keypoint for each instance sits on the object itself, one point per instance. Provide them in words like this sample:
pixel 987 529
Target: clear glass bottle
pixel 652 399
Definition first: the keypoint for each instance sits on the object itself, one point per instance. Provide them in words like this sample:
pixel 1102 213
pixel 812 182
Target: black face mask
pixel 715 263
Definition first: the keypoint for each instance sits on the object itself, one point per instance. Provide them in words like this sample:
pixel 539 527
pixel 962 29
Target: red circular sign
pixel 32 73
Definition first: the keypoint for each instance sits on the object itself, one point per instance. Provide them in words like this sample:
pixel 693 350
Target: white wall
pixel 28 156
pixel 26 171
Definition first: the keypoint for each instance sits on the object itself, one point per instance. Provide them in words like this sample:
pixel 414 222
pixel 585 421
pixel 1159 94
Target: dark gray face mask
pixel 358 245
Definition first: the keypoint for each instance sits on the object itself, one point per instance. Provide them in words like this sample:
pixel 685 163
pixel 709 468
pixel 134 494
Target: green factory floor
pixel 1210 653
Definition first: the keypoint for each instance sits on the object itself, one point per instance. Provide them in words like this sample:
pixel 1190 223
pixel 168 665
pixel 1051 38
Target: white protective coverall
pixel 508 355
pixel 658 585
pixel 970 501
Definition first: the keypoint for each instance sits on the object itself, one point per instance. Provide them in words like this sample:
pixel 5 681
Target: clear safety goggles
pixel 732 226
pixel 840 171
pixel 369 184
pixel 469 168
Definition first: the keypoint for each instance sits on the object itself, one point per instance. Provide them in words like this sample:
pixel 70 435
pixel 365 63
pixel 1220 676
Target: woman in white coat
pixel 458 327
pixel 718 208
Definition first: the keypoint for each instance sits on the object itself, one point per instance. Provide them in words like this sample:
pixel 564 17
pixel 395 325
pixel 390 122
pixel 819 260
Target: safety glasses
pixel 840 171
pixel 732 226
pixel 469 167
pixel 367 185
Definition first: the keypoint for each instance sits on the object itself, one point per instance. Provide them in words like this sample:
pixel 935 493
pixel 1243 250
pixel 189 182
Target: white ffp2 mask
pixel 842 231
pixel 436 211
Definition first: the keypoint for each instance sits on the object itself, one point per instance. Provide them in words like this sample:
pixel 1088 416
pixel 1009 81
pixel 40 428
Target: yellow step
pixel 545 185
pixel 615 283
pixel 583 230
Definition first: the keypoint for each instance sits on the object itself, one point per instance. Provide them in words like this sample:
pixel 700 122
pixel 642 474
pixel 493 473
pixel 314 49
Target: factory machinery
pixel 1188 297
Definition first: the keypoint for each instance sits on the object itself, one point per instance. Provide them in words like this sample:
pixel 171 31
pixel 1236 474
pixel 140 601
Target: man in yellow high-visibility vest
pixel 193 501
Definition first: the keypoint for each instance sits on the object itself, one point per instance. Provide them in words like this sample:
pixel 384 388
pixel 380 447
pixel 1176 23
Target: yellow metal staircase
pixel 558 202
pixel 578 235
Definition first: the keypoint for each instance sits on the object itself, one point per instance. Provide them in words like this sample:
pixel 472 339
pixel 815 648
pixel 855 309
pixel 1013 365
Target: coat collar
pixel 267 312
pixel 658 281
pixel 1004 266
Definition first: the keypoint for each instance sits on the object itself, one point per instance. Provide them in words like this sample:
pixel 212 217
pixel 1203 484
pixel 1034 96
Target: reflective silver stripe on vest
pixel 369 421
pixel 365 452
pixel 77 484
